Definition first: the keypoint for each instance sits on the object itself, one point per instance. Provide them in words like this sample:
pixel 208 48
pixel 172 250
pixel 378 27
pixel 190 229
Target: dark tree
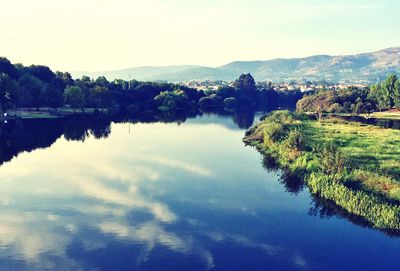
pixel 65 77
pixel 30 88
pixel 51 96
pixel 75 97
pixel 8 68
pixel 42 72
pixel 8 88
pixel 246 88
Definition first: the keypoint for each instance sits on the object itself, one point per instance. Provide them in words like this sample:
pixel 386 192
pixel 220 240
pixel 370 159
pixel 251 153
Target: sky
pixel 101 35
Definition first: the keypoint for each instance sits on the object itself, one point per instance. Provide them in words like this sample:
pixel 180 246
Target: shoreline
pixel 60 112
pixel 361 190
pixel 47 113
pixel 378 115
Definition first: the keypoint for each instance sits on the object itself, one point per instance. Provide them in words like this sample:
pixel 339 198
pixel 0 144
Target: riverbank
pixel 387 115
pixel 352 164
pixel 47 113
pixel 393 115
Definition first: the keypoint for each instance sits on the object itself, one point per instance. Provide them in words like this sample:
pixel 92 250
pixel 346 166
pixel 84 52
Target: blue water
pixel 160 196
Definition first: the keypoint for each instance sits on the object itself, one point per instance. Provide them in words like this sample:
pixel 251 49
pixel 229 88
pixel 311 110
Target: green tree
pixel 42 72
pixel 246 88
pixel 100 97
pixel 74 96
pixel 29 90
pixel 226 92
pixel 211 101
pixel 172 100
pixel 396 93
pixel 8 68
pixel 65 77
pixel 376 95
pixel 388 89
pixel 364 107
pixel 7 89
pixel 51 96
pixel 102 81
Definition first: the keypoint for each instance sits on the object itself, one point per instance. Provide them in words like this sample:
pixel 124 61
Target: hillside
pixel 366 68
pixel 150 73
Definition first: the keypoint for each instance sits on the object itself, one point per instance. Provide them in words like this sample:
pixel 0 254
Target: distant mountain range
pixel 360 68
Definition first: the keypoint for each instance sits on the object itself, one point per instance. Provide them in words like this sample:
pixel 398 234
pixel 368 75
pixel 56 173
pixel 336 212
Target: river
pixel 165 196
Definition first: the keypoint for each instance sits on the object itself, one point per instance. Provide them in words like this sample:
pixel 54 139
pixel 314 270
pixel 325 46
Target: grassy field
pixel 355 165
pixel 386 115
pixel 389 115
pixel 369 146
pixel 372 149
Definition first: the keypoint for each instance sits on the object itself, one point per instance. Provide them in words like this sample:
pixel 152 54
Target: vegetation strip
pixel 329 157
pixel 24 90
pixel 367 101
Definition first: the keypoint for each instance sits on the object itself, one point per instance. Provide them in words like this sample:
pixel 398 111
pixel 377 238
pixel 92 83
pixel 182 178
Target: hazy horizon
pixel 194 64
pixel 102 35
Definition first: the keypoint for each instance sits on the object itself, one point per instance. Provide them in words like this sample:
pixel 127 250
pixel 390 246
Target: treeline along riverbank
pixel 38 88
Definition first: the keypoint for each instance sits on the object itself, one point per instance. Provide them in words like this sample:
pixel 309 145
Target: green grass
pixel 46 114
pixel 393 115
pixel 371 149
pixel 386 115
pixel 359 172
pixel 31 115
pixel 368 146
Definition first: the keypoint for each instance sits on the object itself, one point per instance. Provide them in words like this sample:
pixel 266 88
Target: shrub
pixel 275 132
pixel 211 101
pixel 333 162
pixel 281 116
pixel 295 140
pixel 171 100
pixel 380 214
pixel 230 102
pixel 335 108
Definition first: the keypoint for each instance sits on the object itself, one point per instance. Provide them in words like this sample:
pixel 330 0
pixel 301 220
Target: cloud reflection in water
pixel 114 189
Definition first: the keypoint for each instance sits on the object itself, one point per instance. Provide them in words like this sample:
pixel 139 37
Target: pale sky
pixel 98 35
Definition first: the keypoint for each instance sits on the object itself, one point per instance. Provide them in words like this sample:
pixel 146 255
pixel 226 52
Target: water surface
pixel 165 196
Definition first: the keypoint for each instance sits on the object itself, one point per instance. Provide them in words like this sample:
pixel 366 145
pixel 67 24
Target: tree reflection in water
pixel 18 135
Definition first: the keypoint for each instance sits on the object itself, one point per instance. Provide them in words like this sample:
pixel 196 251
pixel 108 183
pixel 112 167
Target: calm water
pixel 160 196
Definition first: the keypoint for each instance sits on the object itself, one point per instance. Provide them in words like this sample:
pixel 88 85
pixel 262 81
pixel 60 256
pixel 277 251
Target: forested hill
pixel 366 68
